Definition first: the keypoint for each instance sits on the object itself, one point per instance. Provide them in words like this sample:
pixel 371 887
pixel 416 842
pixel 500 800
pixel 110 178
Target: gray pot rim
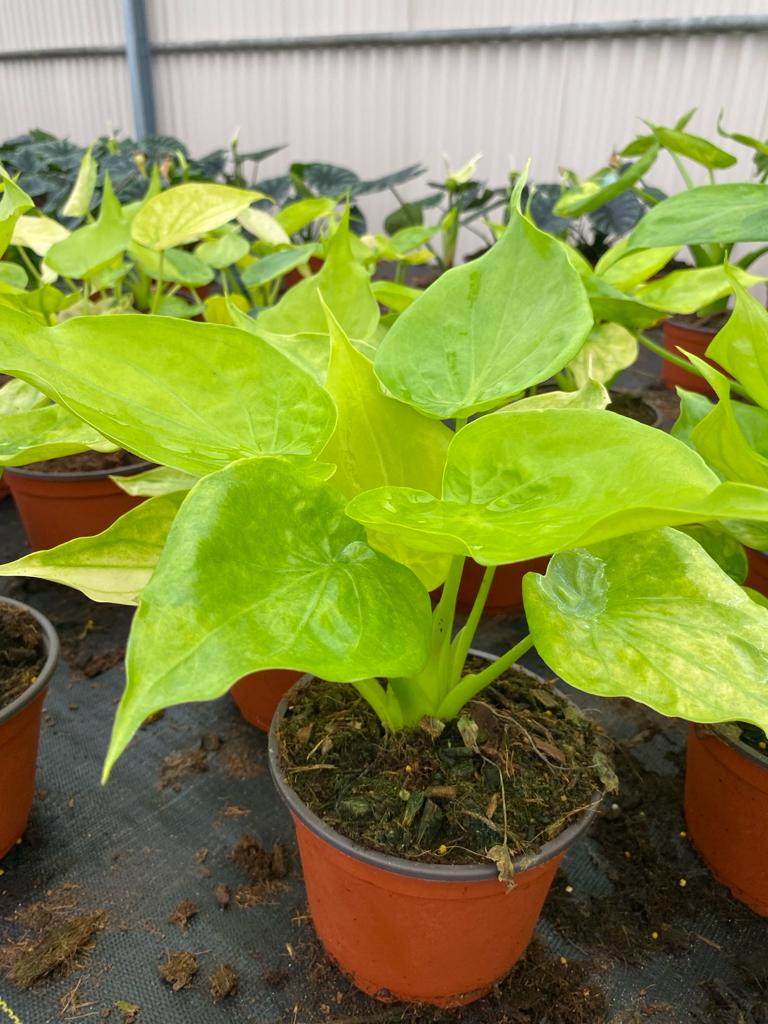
pixel 89 474
pixel 399 865
pixel 712 729
pixel 51 645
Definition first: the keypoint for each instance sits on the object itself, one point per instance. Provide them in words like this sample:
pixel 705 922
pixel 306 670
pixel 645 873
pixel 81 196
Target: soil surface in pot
pixel 633 407
pixel 22 652
pixel 707 323
pixel 86 462
pixel 513 771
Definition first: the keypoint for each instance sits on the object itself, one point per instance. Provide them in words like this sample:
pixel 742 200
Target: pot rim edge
pixel 51 643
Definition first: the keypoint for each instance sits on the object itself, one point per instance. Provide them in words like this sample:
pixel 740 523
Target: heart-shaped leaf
pixel 519 485
pixel 89 248
pixel 189 395
pixel 686 291
pixel 609 349
pixel 298 588
pixel 489 328
pixel 710 213
pixel 741 347
pixel 186 212
pixel 113 566
pixel 653 617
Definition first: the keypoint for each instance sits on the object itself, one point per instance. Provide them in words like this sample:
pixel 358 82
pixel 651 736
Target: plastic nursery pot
pixel 19 736
pixel 293 277
pixel 258 694
pixel 411 931
pixel 56 507
pixel 757 577
pixel 506 594
pixel 693 339
pixel 726 810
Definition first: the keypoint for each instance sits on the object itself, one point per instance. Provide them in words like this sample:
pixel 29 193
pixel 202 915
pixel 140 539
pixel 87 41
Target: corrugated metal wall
pixel 560 102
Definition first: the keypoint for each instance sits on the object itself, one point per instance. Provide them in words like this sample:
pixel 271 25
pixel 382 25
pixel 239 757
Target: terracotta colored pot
pixel 506 594
pixel 293 277
pixel 258 694
pixel 726 809
pixel 696 340
pixel 56 507
pixel 757 577
pixel 19 735
pixel 406 930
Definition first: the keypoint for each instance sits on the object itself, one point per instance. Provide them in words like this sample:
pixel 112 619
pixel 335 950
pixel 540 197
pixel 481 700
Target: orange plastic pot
pixel 258 694
pixel 757 577
pixel 406 930
pixel 696 340
pixel 294 277
pixel 19 736
pixel 56 507
pixel 726 810
pixel 506 594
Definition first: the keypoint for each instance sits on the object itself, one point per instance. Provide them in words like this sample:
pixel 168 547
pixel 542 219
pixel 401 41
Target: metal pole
pixel 139 56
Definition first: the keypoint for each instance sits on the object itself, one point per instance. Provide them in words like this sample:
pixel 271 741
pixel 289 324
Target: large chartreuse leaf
pixel 224 250
pixel 741 347
pixel 345 287
pixel 710 213
pixel 113 566
pixel 309 351
pixel 720 439
pixel 609 349
pixel 722 547
pixel 189 395
pixel 590 395
pixel 379 441
pixel 614 306
pixel 522 484
pixel 49 432
pixel 92 247
pixel 652 617
pixel 79 199
pixel 489 328
pixel 686 291
pixel 186 212
pixel 14 201
pixel 262 569
pixel 262 225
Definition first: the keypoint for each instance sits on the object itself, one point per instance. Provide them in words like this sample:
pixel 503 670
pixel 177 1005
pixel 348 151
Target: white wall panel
pixel 560 102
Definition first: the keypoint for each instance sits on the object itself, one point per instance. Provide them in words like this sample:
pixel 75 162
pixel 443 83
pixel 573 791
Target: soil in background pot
pixel 22 652
pixel 86 462
pixel 633 407
pixel 514 770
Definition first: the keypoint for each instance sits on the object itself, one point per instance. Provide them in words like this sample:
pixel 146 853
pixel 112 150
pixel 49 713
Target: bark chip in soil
pixel 179 970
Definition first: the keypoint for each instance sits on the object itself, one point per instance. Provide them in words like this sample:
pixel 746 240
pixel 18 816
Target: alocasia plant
pixel 264 561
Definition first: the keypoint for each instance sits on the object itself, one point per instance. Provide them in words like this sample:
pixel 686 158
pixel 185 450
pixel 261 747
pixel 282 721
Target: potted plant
pixel 266 563
pixel 29 651
pixel 726 796
pixel 691 326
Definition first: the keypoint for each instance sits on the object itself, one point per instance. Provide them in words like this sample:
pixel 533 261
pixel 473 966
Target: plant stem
pixel 683 363
pixel 463 639
pixel 373 693
pixel 471 685
pixel 681 167
pixel 29 264
pixel 159 284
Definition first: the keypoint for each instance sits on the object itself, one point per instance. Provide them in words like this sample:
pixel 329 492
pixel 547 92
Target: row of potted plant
pixel 309 500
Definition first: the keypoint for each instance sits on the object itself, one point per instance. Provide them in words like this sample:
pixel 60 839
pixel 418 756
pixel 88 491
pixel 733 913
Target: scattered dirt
pixel 277 977
pixel 183 914
pixel 223 895
pixel 179 970
pixel 222 983
pixel 22 653
pixel 239 759
pixel 259 893
pixel 179 765
pixel 259 864
pixel 56 949
pixel 97 663
pixel 543 989
pixel 642 846
pixel 511 773
pixel 87 462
